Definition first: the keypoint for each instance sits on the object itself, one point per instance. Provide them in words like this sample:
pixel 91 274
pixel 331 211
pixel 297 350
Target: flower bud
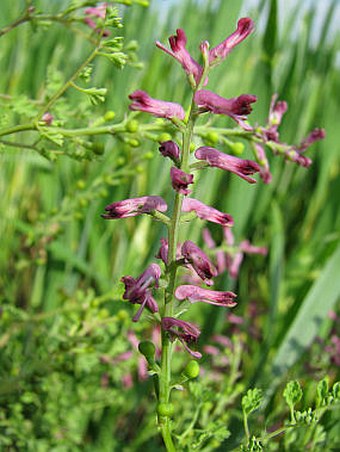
pixel 148 349
pixel 192 369
pixel 109 115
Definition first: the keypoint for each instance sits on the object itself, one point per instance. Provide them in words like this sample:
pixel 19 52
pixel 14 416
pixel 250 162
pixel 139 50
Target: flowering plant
pixel 174 255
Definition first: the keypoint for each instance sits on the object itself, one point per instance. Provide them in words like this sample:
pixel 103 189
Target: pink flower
pixel 235 259
pixel 206 212
pixel 180 53
pixel 141 101
pixel 186 332
pixel 138 291
pixel 276 112
pixel 98 12
pixel 163 251
pixel 195 294
pixel 47 118
pixel 237 107
pixel 247 247
pixel 244 27
pixel 134 206
pixel 180 180
pixel 228 162
pixel 199 261
pixel 170 149
pixel 315 135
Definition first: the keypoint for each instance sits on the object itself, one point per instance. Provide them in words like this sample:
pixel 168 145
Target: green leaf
pixel 293 393
pixel 251 401
pixel 319 301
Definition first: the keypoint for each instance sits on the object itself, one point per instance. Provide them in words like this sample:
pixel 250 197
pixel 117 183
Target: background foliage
pixel 64 382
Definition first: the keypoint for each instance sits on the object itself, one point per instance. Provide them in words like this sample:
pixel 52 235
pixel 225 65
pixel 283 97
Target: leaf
pixel 319 301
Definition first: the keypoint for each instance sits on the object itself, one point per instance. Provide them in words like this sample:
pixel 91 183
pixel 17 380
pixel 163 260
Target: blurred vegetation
pixel 65 385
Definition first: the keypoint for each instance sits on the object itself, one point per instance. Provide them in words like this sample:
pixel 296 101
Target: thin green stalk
pixel 69 82
pixel 173 235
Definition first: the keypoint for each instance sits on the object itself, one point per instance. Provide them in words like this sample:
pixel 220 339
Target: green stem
pixel 173 236
pixel 69 82
pixel 246 426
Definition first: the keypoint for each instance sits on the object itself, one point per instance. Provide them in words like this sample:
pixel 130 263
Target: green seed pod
pixel 81 184
pixel 238 148
pixel 148 349
pixel 132 126
pixel 192 369
pixel 134 143
pixel 164 137
pixel 212 137
pixel 165 409
pixel 109 115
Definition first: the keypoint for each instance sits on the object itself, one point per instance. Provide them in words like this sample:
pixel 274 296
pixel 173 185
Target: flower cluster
pixel 186 208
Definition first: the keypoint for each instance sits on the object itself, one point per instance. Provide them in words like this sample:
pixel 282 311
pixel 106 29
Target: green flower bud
pixel 148 349
pixel 192 369
pixel 165 409
pixel 192 147
pixel 132 126
pixel 109 115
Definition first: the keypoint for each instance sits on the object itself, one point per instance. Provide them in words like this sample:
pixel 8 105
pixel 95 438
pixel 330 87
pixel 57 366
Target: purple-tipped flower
pixel 315 135
pixel 186 332
pixel 228 162
pixel 199 261
pixel 195 294
pixel 244 27
pixel 138 291
pixel 134 206
pixel 47 118
pixel 295 153
pixel 181 180
pixel 206 212
pixel 180 53
pixel 237 107
pixel 163 251
pixel 170 149
pixel 141 101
